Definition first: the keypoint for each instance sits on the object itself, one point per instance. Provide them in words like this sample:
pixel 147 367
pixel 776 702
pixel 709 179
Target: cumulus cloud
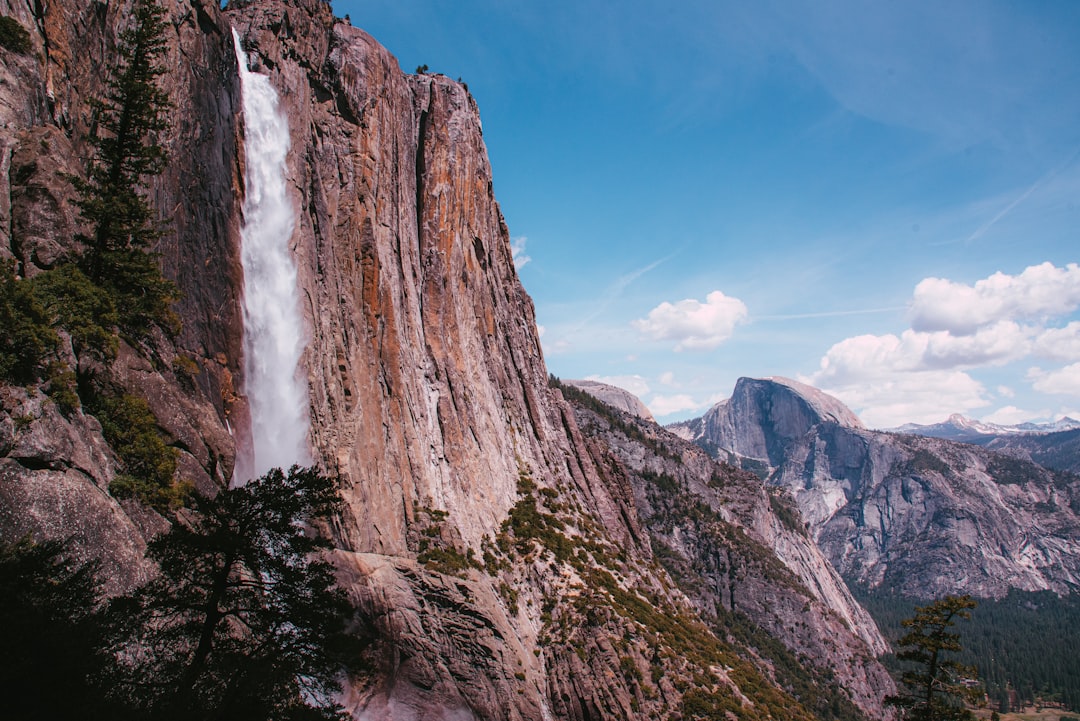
pixel 666 405
pixel 1060 344
pixel 1039 291
pixel 692 324
pixel 517 251
pixel 632 383
pixel 1065 380
pixel 990 345
pixel 1011 415
pixel 871 357
pixel 923 397
pixel 919 375
pixel 889 380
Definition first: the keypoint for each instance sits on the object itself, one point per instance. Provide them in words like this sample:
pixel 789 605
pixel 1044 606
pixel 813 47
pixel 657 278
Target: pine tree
pixel 123 225
pixel 935 689
pixel 242 622
pixel 52 635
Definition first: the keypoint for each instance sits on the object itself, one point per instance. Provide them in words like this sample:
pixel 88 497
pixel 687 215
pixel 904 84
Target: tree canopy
pixel 53 633
pixel 123 224
pixel 935 686
pixel 242 621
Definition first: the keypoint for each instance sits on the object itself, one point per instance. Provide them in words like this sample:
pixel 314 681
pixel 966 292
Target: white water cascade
pixel 274 336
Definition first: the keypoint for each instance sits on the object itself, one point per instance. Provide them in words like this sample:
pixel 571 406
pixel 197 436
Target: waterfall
pixel 274 336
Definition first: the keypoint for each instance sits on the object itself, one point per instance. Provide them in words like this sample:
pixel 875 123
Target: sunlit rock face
pixel 427 391
pixel 615 397
pixel 925 516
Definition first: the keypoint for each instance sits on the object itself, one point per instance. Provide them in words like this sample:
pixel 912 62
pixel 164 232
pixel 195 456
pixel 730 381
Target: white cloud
pixel 666 405
pixel 1006 392
pixel 633 383
pixel 1011 415
pixel 540 330
pixel 995 344
pixel 517 251
pixel 1061 344
pixel 920 397
pixel 917 376
pixel 692 324
pixel 871 357
pixel 1040 291
pixel 667 378
pixel 1065 380
pixel 889 380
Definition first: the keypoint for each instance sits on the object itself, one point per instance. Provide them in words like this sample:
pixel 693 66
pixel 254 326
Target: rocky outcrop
pixel 923 516
pixel 55 469
pixel 1060 451
pixel 615 397
pixel 741 552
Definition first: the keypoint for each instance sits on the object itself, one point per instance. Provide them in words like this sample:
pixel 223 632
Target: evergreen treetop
pixel 123 224
pixel 242 622
pixel 936 686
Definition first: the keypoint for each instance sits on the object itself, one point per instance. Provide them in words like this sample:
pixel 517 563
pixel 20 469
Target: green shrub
pixel 28 337
pixel 61 388
pixel 13 36
pixel 148 463
pixel 185 366
pixel 446 560
pixel 85 310
pixel 171 497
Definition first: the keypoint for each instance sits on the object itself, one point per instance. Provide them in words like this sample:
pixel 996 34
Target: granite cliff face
pixel 615 397
pixel 741 552
pixel 923 516
pixel 501 563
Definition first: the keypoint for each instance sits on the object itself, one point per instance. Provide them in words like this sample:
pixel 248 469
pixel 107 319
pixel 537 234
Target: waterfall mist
pixel 274 336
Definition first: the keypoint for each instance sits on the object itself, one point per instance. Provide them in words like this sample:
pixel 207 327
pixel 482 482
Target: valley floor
pixel 1030 714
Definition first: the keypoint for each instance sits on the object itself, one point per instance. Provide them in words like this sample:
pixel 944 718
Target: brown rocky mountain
pixel 503 549
pixel 921 516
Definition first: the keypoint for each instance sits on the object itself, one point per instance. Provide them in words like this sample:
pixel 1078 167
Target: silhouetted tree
pixel 242 622
pixel 935 689
pixel 52 634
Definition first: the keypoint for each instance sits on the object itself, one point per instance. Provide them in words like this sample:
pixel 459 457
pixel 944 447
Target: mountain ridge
pixel 960 428
pixel 926 516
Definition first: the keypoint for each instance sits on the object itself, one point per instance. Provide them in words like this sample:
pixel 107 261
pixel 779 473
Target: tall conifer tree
pixel 935 685
pixel 123 225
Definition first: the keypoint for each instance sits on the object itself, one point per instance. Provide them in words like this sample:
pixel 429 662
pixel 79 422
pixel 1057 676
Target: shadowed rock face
pixel 429 396
pixel 922 515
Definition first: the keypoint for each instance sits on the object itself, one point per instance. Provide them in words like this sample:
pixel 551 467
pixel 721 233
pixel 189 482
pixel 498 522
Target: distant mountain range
pixel 903 511
pixel 967 430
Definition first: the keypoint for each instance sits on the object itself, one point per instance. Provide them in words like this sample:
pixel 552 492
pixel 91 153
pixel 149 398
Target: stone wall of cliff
pixel 495 555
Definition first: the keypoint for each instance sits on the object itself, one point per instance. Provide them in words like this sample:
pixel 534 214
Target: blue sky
pixel 879 198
